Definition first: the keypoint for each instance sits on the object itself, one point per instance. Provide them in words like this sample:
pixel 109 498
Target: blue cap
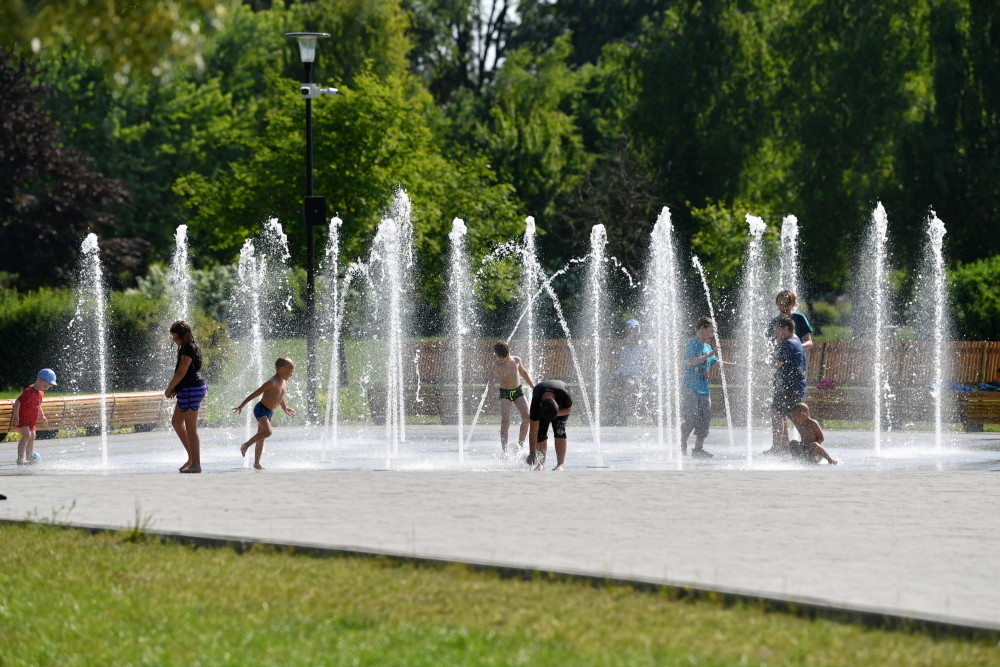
pixel 631 323
pixel 48 375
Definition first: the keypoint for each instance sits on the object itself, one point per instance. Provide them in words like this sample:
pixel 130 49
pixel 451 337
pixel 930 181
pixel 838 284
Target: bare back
pixel 274 392
pixel 810 431
pixel 507 371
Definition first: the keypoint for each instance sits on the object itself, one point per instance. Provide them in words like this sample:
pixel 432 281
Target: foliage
pixel 49 194
pixel 29 320
pixel 144 36
pixel 975 299
pixel 383 611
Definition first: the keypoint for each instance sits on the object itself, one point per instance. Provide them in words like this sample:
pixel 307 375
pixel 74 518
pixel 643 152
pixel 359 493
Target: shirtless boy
pixel 509 372
pixel 811 433
pixel 272 394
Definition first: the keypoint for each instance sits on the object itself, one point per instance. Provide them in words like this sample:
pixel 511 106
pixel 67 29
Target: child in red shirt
pixel 27 410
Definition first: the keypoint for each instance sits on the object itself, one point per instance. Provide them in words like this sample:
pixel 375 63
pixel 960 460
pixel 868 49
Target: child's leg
pixel 522 407
pixel 540 451
pixel 560 453
pixel 180 428
pixel 504 422
pixel 817 450
pixel 263 433
pixel 22 444
pixel 193 440
pixel 29 445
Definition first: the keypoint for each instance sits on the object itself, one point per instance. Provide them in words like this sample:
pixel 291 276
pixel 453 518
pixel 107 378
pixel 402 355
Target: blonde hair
pixel 800 408
pixel 283 362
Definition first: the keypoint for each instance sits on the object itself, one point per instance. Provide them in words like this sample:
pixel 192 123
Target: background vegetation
pixel 128 123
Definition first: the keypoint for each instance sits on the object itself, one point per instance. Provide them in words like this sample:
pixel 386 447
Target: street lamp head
pixel 307 43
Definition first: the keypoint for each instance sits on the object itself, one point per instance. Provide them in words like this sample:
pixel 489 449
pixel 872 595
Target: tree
pixel 50 196
pixel 458 44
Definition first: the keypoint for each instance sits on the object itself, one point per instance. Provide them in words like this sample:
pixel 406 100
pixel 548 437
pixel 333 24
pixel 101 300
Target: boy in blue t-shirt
pixel 696 402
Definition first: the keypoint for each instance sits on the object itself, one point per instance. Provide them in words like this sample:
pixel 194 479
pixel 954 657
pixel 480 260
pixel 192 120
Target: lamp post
pixel 313 211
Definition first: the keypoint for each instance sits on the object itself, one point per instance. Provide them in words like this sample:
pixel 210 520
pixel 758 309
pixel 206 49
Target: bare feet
pixel 184 467
pixel 22 462
pixel 244 447
pixel 558 467
pixel 258 466
pixel 832 462
pixel 192 469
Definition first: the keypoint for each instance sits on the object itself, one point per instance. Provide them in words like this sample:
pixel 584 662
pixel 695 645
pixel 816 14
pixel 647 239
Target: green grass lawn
pixel 69 597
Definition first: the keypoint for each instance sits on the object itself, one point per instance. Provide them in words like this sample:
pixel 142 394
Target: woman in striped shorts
pixel 189 387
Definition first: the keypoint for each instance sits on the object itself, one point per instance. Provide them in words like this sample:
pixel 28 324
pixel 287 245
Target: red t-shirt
pixel 31 400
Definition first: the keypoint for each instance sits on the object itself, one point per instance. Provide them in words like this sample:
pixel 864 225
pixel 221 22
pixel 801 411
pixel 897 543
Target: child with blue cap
pixel 26 412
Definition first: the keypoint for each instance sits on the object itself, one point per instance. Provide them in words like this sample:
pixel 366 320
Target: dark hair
pixel 799 407
pixel 283 362
pixel 783 322
pixel 502 350
pixel 183 329
pixel 705 322
pixel 549 409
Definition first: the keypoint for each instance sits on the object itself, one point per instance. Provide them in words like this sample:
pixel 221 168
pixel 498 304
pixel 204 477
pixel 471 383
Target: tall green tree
pixel 50 195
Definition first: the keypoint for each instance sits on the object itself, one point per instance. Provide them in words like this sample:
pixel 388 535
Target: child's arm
pixel 288 410
pixel 16 410
pixel 524 373
pixel 41 413
pixel 260 390
pixel 182 369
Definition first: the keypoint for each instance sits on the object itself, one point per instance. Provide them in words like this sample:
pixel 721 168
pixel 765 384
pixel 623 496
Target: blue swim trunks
pixel 260 411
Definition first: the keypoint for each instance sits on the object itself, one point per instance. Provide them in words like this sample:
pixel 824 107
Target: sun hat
pixel 48 375
pixel 631 323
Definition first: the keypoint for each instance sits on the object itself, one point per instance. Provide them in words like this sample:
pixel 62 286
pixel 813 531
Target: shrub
pixel 31 321
pixel 975 299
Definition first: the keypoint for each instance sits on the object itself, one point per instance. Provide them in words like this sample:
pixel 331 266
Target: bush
pixel 975 299
pixel 31 321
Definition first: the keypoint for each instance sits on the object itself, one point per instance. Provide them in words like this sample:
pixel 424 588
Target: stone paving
pixel 920 540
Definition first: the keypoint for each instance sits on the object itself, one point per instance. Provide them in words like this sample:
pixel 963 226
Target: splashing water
pixel 789 257
pixel 91 299
pixel 462 317
pixel 664 312
pixel 752 317
pixel 179 285
pixel 939 296
pixel 722 367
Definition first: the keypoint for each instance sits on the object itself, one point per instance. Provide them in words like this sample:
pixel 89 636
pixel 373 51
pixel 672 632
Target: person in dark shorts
pixel 509 370
pixel 189 388
pixel 550 404
pixel 272 395
pixel 789 381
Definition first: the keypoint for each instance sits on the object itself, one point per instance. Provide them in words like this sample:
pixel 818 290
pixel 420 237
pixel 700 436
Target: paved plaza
pixel 911 532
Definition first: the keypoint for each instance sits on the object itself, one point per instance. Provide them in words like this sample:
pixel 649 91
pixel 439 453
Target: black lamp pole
pixel 314 215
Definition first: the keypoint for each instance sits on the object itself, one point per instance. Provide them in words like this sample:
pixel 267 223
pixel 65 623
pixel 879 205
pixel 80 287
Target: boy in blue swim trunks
pixel 272 394
pixel 509 372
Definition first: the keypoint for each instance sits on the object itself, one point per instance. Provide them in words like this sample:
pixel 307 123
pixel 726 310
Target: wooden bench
pixel 977 408
pixel 143 410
